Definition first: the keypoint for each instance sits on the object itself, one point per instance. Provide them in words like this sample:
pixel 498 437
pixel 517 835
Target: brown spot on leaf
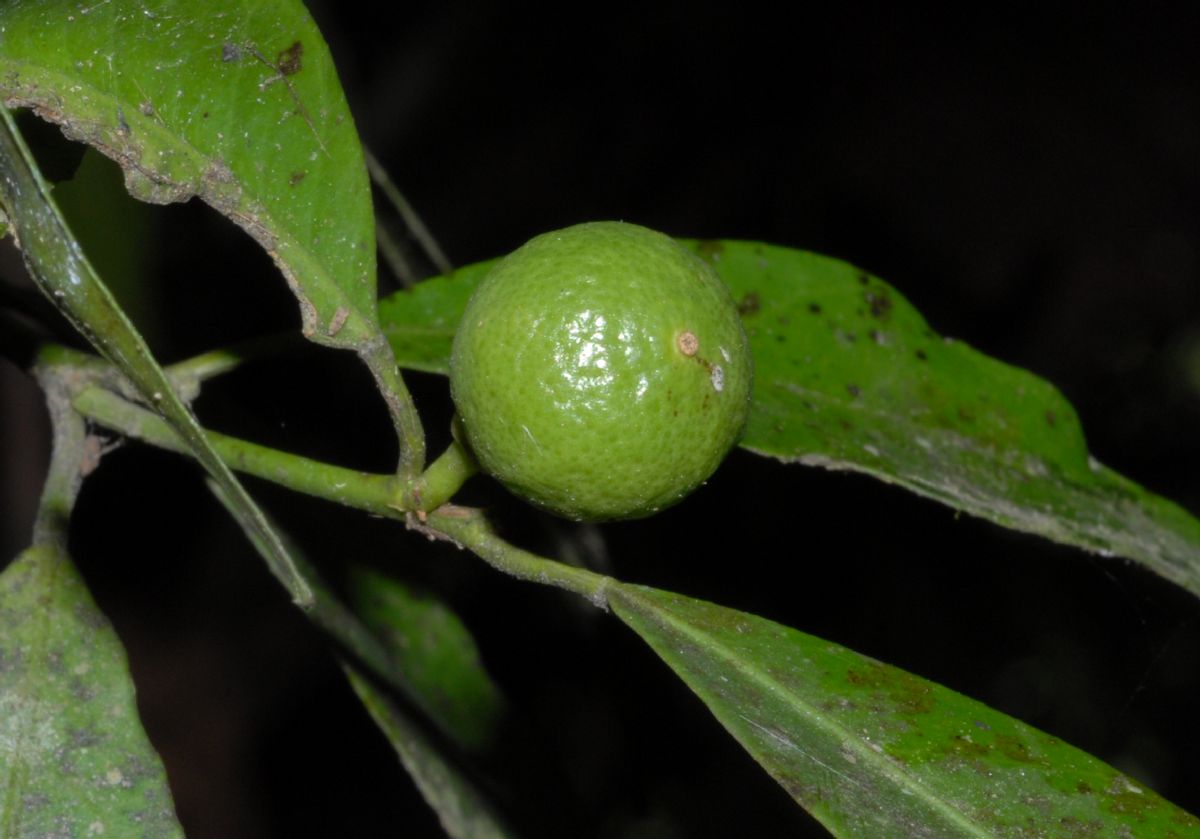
pixel 815 308
pixel 854 390
pixel 749 304
pixel 289 61
pixel 921 356
pixel 1051 419
pixel 296 177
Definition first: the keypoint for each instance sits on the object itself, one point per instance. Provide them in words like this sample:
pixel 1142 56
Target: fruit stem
pixel 446 475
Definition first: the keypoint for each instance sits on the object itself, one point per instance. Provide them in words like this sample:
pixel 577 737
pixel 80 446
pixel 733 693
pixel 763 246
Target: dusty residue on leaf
pixel 879 302
pixel 894 690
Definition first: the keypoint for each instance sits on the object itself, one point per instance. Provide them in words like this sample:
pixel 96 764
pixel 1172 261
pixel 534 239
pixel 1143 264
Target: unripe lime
pixel 601 371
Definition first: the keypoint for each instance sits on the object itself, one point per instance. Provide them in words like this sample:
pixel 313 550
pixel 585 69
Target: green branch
pixel 378 494
pixel 468 528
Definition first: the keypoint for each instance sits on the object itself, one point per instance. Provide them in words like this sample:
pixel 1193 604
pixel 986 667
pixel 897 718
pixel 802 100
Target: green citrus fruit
pixel 601 371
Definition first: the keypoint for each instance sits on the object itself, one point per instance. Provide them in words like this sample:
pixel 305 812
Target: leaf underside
pixel 871 750
pixel 849 376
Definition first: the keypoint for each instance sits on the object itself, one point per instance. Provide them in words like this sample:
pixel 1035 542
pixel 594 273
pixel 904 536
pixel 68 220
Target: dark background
pixel 1032 185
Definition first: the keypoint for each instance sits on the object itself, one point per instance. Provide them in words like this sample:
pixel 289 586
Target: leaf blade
pixel 892 399
pixel 58 266
pixel 436 653
pixel 240 106
pixel 462 811
pixel 74 759
pixel 873 751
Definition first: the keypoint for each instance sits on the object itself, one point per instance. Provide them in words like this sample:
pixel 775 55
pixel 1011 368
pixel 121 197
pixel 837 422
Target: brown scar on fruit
pixel 688 343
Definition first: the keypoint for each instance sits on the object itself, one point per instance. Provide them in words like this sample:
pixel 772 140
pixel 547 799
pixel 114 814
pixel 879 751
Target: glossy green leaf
pixel 430 646
pixel 849 376
pixel 236 102
pixel 463 813
pixel 871 750
pixel 74 760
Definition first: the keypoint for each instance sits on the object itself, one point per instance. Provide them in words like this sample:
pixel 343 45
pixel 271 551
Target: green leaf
pixel 59 267
pixel 236 102
pixel 849 376
pixel 420 322
pixel 462 811
pixel 74 760
pixel 871 750
pixel 113 231
pixel 430 646
pixel 411 641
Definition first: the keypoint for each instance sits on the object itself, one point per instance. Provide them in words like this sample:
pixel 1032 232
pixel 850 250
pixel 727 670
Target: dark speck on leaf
pixel 1051 419
pixel 863 279
pixel 780 338
pixel 289 62
pixel 815 308
pixel 921 356
pixel 853 390
pixel 296 177
pixel 710 249
pixel 230 52
pixel 749 304
pixel 966 415
pixel 879 302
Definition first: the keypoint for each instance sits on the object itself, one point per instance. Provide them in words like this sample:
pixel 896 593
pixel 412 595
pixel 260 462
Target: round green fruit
pixel 601 371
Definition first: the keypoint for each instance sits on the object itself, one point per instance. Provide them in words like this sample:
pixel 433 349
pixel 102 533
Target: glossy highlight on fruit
pixel 601 371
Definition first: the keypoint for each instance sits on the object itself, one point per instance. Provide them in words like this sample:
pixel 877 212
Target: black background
pixel 1031 184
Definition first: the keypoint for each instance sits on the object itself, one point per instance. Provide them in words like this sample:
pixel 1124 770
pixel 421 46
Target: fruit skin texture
pixel 572 375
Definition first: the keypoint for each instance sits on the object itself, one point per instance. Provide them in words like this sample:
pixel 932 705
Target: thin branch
pixel 413 221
